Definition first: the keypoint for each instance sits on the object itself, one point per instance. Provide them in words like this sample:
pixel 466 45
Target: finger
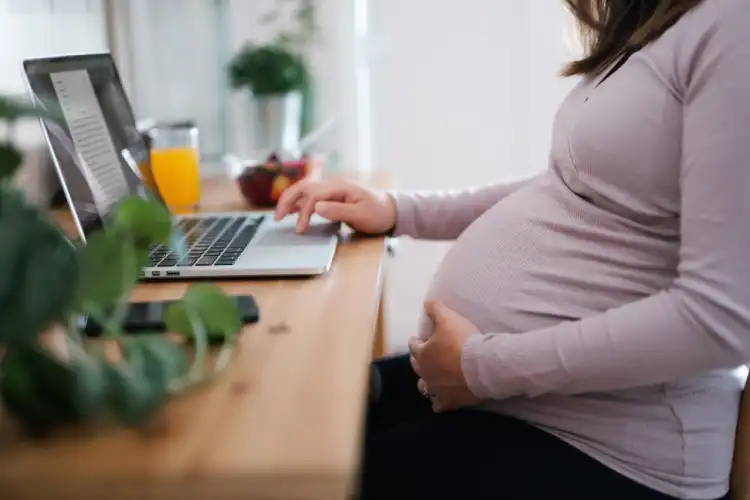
pixel 437 404
pixel 415 346
pixel 415 365
pixel 289 199
pixel 336 211
pixel 422 386
pixel 307 209
pixel 436 311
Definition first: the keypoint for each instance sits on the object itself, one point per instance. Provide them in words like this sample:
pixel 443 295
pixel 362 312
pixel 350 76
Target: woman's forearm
pixel 665 337
pixel 443 215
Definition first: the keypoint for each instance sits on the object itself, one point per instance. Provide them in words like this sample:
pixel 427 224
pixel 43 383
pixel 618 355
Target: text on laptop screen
pixel 95 142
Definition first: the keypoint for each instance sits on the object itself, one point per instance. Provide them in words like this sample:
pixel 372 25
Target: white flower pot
pixel 277 123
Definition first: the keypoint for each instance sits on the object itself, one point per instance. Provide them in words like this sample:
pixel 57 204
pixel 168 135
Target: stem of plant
pixel 109 327
pixel 123 304
pixel 201 344
pixel 224 357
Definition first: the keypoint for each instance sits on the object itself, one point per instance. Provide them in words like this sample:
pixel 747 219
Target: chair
pixel 741 465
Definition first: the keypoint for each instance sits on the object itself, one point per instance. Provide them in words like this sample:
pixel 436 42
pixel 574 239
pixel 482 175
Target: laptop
pixel 96 148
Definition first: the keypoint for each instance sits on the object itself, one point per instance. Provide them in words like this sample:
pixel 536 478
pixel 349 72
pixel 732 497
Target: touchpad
pixel 287 235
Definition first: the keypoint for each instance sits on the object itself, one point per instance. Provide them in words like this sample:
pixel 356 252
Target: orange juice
pixel 176 173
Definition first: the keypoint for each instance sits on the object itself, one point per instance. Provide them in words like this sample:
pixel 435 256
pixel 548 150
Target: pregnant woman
pixel 582 336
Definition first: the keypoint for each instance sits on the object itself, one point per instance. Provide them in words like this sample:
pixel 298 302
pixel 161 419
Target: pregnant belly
pixel 527 264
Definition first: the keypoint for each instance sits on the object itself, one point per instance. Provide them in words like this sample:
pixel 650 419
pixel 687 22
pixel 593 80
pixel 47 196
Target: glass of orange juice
pixel 175 165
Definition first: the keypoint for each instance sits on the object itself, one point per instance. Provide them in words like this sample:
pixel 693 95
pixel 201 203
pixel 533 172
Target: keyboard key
pixel 188 261
pixel 206 261
pixel 169 262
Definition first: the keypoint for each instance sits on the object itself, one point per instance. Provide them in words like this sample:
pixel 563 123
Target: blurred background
pixel 433 94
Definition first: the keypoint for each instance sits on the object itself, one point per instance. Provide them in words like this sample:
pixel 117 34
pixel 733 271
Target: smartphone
pixel 148 317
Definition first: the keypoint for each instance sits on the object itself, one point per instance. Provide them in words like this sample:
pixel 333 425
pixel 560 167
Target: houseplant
pixel 50 377
pixel 277 75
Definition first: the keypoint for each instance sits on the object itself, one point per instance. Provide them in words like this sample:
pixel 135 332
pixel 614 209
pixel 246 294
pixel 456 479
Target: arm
pixel 444 215
pixel 703 321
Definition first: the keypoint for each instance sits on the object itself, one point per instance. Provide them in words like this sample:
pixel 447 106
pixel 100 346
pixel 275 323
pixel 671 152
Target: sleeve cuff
pixel 405 217
pixel 470 366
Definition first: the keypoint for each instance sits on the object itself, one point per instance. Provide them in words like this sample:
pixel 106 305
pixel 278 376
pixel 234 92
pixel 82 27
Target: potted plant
pixel 49 375
pixel 278 79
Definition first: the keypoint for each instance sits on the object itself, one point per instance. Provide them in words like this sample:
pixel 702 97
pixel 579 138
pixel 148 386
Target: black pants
pixel 412 453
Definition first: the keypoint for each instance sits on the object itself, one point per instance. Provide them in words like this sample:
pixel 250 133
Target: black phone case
pixel 148 317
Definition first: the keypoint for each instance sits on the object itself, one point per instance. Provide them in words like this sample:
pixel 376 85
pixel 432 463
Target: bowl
pixel 262 184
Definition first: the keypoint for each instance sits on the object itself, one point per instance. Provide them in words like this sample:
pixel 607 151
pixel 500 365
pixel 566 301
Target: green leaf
pixel 147 222
pixel 271 69
pixel 11 110
pixel 21 396
pixel 110 266
pixel 15 219
pixel 162 360
pixel 10 159
pixel 217 312
pixel 128 395
pixel 43 392
pixel 90 388
pixel 39 270
pixel 50 280
pixel 139 386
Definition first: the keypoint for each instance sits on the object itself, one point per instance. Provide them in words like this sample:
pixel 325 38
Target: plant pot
pixel 277 123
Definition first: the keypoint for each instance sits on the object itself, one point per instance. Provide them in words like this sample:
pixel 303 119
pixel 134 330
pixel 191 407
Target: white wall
pixel 38 28
pixel 463 93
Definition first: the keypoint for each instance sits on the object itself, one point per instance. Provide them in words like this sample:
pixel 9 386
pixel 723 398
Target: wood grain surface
pixel 284 422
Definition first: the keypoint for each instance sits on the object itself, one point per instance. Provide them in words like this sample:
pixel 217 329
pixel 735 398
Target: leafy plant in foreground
pixel 49 376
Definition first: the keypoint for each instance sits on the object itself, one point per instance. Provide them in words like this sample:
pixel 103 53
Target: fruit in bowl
pixel 262 184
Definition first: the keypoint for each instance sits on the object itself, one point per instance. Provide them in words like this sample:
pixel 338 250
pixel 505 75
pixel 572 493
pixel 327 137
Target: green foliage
pixel 12 110
pixel 140 385
pixel 46 281
pixel 102 284
pixel 268 70
pixel 10 160
pixel 305 22
pixel 215 312
pixel 148 223
pixel 43 391
pixel 38 271
pixel 279 66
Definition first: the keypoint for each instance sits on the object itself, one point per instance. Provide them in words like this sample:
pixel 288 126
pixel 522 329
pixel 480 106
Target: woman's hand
pixel 438 360
pixel 365 211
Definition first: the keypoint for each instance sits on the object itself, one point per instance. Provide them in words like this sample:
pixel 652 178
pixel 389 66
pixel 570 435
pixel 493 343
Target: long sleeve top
pixel 612 293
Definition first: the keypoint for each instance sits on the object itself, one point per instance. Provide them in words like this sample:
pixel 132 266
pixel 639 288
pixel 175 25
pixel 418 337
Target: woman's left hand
pixel 438 360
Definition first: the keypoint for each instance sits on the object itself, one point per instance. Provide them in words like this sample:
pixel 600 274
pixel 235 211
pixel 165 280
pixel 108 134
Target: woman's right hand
pixel 365 211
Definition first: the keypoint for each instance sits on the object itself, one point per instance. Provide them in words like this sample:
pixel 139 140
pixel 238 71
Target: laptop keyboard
pixel 210 241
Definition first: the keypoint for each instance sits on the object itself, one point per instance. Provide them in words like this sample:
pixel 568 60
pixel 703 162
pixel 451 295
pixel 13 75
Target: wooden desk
pixel 284 422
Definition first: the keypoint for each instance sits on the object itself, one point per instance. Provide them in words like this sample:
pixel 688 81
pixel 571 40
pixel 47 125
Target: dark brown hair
pixel 610 29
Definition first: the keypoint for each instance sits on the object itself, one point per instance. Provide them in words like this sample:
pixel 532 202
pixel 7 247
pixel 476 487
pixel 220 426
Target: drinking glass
pixel 175 165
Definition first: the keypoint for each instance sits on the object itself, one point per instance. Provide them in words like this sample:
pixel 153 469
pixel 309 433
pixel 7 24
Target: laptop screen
pixel 93 138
